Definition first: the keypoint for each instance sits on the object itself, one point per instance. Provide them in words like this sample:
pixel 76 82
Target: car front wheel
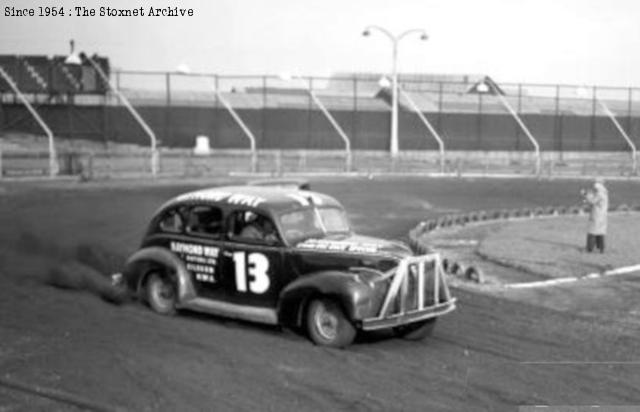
pixel 417 330
pixel 161 294
pixel 327 324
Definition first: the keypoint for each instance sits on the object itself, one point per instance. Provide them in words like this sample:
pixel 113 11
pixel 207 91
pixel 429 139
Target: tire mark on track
pixel 57 395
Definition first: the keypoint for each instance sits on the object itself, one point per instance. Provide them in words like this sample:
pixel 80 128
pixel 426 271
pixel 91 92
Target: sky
pixel 531 41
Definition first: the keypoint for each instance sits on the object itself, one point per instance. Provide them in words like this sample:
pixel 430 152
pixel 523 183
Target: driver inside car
pixel 259 228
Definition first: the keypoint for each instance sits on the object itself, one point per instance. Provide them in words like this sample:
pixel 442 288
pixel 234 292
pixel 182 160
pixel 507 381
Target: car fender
pixel 138 264
pixel 353 295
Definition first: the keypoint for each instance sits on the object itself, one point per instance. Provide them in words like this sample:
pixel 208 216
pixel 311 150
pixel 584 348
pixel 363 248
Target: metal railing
pixel 418 291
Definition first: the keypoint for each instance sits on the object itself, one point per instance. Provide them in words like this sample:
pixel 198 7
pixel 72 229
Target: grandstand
pixel 44 76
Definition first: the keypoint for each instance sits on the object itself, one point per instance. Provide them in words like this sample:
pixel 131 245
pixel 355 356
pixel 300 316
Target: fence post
pixel 333 122
pixel 556 119
pixel 302 161
pixel 263 112
pixel 53 157
pixel 167 117
pixel 87 173
pixel 479 123
pixel 592 133
pixel 629 107
pixel 557 124
pixel 279 162
pixel 624 134
pixel 134 113
pixel 216 105
pixel 524 128
pixel 519 113
pixel 354 116
pixel 309 87
pixel 440 103
pixel 427 123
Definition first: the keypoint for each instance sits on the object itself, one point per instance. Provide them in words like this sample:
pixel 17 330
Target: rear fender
pixel 345 287
pixel 138 265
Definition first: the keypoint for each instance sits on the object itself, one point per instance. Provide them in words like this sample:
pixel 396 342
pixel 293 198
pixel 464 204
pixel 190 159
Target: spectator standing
pixel 597 200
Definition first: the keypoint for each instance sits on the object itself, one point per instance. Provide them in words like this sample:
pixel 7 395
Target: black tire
pixel 327 324
pixel 161 294
pixel 417 330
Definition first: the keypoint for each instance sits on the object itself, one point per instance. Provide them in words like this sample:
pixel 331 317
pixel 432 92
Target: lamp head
pixel 183 68
pixel 286 76
pixel 366 32
pixel 73 57
pixel 384 82
pixel 424 37
pixel 583 92
pixel 483 88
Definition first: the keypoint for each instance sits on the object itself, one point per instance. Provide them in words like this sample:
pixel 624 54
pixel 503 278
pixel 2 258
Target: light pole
pixel 394 76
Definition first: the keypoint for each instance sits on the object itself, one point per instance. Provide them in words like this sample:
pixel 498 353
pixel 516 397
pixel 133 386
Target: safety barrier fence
pixel 104 164
pixel 342 112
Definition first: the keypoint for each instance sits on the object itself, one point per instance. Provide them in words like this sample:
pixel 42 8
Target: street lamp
pixel 394 76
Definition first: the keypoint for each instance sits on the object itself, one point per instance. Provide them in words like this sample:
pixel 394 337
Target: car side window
pixel 250 227
pixel 171 222
pixel 205 221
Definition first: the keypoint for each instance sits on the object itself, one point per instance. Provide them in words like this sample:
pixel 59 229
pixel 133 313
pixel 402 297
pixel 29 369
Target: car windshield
pixel 313 223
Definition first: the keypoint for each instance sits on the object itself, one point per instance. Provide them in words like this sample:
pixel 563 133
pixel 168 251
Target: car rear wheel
pixel 327 324
pixel 161 294
pixel 417 330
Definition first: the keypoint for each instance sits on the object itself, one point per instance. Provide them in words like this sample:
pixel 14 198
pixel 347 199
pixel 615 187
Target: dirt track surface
pixel 494 353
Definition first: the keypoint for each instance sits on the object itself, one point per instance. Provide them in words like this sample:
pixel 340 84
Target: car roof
pixel 266 198
pixel 301 184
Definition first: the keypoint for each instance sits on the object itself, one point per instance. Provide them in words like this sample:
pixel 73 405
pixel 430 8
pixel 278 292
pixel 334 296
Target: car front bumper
pixel 417 291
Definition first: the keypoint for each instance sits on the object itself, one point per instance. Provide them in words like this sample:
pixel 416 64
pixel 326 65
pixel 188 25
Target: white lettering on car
pixel 219 196
pixel 251 272
pixel 337 245
pixel 246 200
pixel 201 277
pixel 186 248
pixel 200 260
pixel 207 195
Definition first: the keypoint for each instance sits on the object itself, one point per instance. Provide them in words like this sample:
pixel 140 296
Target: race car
pixel 285 256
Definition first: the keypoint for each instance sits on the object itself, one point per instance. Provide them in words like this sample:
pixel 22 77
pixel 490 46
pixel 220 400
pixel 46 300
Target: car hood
pixel 347 252
pixel 356 245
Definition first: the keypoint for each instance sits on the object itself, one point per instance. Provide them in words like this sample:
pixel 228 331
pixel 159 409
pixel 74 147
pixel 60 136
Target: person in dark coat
pixel 597 200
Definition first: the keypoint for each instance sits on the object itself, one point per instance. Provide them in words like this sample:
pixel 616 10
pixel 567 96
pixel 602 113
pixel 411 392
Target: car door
pixel 199 245
pixel 252 260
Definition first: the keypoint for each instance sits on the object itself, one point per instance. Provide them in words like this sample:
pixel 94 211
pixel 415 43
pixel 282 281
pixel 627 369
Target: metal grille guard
pixel 408 298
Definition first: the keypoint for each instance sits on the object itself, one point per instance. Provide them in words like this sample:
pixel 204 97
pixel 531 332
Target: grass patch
pixel 555 247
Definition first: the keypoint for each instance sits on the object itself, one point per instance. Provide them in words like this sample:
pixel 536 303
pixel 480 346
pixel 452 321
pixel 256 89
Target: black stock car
pixel 280 255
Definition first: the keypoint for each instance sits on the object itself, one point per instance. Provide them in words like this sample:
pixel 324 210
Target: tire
pixel 327 324
pixel 161 294
pixel 417 330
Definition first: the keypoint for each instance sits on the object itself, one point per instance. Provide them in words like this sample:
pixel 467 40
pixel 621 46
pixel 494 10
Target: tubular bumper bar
pixel 414 294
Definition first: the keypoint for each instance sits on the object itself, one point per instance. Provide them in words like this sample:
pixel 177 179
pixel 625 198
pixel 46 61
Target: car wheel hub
pixel 326 323
pixel 162 294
